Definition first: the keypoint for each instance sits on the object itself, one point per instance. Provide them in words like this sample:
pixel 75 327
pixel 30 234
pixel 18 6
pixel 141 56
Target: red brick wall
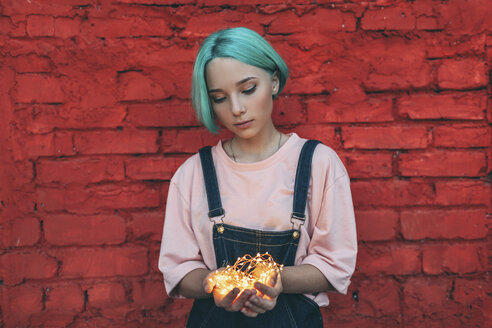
pixel 95 117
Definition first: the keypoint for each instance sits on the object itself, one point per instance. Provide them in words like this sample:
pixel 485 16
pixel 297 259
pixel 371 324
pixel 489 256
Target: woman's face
pixel 241 96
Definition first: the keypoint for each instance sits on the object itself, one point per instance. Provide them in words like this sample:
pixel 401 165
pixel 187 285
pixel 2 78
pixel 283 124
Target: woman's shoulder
pixel 190 167
pixel 327 161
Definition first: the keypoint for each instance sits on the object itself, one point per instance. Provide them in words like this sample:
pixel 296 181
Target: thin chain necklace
pixel 234 156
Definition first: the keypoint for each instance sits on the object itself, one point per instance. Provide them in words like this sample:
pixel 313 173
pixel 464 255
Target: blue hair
pixel 239 43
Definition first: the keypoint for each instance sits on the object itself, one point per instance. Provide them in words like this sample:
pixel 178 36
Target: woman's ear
pixel 275 83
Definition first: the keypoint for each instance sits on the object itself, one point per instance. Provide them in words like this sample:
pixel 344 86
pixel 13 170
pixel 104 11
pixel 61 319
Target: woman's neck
pixel 256 149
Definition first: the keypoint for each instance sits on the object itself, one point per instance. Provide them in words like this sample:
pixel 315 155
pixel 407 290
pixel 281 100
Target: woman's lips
pixel 244 124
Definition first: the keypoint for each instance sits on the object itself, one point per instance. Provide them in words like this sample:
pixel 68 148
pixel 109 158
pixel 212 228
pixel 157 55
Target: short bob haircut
pixel 239 43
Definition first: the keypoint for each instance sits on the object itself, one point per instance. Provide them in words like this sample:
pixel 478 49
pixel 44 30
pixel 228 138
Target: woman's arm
pixel 191 286
pixel 304 279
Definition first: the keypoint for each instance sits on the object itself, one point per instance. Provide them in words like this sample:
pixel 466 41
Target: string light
pixel 245 272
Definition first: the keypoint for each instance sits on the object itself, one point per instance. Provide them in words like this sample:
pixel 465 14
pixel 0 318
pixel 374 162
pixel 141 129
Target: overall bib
pixel 231 242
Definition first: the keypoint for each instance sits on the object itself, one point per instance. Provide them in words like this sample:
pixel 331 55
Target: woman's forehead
pixel 225 71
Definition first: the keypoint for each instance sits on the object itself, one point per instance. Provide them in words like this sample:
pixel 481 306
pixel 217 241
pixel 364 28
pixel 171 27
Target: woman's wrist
pixel 304 279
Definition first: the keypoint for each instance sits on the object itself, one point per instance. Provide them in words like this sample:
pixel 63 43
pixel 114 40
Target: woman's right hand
pixel 232 301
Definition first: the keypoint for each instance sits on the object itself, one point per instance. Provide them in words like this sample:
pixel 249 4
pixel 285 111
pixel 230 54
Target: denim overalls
pixel 231 242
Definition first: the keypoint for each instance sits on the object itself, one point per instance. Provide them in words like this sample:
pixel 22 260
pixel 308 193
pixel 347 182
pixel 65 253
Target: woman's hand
pixel 266 299
pixel 233 301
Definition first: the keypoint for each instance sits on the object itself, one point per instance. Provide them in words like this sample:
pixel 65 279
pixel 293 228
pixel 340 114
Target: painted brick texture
pixel 95 117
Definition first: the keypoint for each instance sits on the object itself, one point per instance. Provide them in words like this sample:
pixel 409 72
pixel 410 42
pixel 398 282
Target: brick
pixel 355 322
pixel 202 24
pixel 148 294
pixel 436 163
pixel 288 110
pixel 324 133
pixel 15 267
pixel 453 258
pixel 447 46
pixel 465 18
pixel 368 165
pixel 425 296
pixel 190 140
pixel 147 226
pixel 40 7
pixel 116 142
pixel 6 26
pixel 64 299
pixel 318 21
pixel 444 224
pixel 469 292
pixel 76 199
pixel 45 118
pixel 104 262
pixel 39 88
pixel 379 297
pixel 391 193
pixel 393 64
pixel 154 259
pixel 462 192
pixel 389 259
pixel 50 320
pixel 370 110
pixel 23 171
pixel 467 73
pixel 427 16
pixel 391 137
pixel 162 114
pixel 32 64
pixel 80 170
pixel 67 27
pixel 132 26
pixel 400 17
pixel 373 225
pixel 152 168
pixel 462 136
pixel 159 2
pixel 147 26
pixel 21 232
pixel 141 86
pixel 40 25
pixel 66 229
pixel 106 295
pixel 19 303
pixel 453 106
pixel 109 28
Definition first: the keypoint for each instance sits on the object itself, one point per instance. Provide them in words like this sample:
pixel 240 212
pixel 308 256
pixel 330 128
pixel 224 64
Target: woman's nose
pixel 236 107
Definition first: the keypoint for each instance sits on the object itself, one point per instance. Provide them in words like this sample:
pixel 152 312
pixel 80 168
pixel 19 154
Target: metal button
pixel 295 234
pixel 220 229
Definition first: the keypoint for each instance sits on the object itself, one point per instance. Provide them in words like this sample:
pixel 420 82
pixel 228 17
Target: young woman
pixel 260 191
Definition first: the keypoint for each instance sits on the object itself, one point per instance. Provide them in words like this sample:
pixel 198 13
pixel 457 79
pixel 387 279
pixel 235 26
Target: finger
pixel 240 300
pixel 228 299
pixel 260 304
pixel 209 284
pixel 249 313
pixel 253 305
pixel 266 290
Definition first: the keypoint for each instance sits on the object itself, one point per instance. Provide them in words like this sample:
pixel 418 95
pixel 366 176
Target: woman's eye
pixel 218 100
pixel 250 90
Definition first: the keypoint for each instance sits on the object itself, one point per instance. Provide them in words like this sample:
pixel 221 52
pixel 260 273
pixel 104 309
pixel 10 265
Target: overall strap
pixel 303 176
pixel 211 185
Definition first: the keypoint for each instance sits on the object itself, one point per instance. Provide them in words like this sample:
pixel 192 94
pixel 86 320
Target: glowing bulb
pixel 245 272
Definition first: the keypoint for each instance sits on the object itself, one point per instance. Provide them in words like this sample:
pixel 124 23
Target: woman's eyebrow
pixel 237 84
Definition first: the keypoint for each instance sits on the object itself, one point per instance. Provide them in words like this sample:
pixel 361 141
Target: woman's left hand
pixel 266 299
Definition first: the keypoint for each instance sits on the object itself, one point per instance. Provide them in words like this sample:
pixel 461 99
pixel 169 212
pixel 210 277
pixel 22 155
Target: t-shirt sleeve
pixel 180 252
pixel 333 245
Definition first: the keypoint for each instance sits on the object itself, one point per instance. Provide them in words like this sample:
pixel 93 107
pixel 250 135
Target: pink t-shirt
pixel 259 196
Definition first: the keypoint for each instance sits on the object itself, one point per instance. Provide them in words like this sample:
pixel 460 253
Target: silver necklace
pixel 234 156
